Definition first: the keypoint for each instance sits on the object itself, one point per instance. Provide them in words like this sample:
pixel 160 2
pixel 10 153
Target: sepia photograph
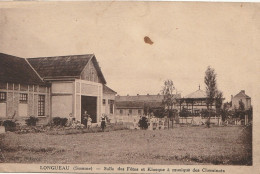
pixel 133 87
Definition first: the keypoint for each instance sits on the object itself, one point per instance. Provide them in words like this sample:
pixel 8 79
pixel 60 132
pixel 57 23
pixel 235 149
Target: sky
pixel 187 38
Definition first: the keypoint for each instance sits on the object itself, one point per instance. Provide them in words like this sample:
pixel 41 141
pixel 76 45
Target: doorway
pixel 89 104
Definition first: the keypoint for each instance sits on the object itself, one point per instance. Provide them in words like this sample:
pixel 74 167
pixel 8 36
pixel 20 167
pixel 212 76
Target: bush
pixel 143 123
pixel 31 121
pixel 57 121
pixel 9 125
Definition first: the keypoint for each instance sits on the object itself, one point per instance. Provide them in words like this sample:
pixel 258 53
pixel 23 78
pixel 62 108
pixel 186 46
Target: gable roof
pixel 17 70
pixel 241 94
pixel 197 94
pixel 64 66
pixel 108 90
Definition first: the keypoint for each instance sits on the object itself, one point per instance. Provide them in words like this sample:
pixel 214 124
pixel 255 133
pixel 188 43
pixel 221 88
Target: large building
pixel 49 87
pixel 136 105
pixel 241 96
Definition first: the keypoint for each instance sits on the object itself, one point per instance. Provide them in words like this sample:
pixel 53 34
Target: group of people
pixel 87 120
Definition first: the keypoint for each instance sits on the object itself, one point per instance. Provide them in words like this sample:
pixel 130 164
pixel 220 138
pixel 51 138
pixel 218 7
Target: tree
pixel 169 98
pixel 143 123
pixel 224 112
pixel 241 109
pixel 241 105
pixel 211 89
pixel 218 101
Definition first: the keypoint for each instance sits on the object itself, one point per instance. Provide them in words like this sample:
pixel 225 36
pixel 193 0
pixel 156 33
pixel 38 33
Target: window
pixel 121 111
pixel 130 111
pixel 23 98
pixel 2 96
pixel 41 105
pixel 139 111
pixel 104 101
pixel 111 102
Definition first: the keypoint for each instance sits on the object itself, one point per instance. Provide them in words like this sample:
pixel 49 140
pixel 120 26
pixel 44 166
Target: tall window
pixel 23 98
pixel 121 111
pixel 139 111
pixel 130 111
pixel 2 96
pixel 111 102
pixel 104 101
pixel 41 105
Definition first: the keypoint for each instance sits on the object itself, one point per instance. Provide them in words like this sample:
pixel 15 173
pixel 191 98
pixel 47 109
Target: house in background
pixel 136 105
pixel 241 96
pixel 51 86
pixel 129 108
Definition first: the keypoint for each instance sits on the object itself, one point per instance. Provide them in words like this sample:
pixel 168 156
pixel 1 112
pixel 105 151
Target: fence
pixel 162 123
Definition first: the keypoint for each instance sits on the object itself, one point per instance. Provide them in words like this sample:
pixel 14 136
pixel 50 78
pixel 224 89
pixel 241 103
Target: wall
pixel 125 111
pixel 89 73
pixel 22 109
pixel 62 106
pixel 3 110
pixel 246 101
pixel 106 107
pixel 62 98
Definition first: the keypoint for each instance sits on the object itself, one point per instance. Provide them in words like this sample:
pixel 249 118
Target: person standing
pixel 89 122
pixel 103 123
pixel 85 117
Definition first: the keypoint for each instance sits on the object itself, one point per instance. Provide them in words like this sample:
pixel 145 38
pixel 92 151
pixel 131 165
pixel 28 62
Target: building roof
pixel 136 104
pixel 64 66
pixel 128 104
pixel 17 70
pixel 197 94
pixel 241 94
pixel 144 98
pixel 108 90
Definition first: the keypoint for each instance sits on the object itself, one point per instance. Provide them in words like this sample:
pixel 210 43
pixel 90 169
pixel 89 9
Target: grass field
pixel 182 145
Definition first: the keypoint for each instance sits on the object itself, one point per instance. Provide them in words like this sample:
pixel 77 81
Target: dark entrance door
pixel 89 104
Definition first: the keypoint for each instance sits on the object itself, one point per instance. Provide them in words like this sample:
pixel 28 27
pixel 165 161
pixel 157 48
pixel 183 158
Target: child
pixel 89 122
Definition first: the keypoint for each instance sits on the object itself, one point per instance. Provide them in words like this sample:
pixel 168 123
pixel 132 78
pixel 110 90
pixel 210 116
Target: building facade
pixel 57 86
pixel 139 104
pixel 241 96
pixel 108 101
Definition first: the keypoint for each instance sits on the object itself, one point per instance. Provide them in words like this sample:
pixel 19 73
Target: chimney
pixel 147 94
pixel 243 91
pixel 231 97
pixel 137 94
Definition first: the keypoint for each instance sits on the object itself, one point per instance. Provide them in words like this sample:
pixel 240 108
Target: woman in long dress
pixel 103 123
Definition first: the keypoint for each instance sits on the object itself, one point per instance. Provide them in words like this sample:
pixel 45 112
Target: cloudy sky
pixel 187 37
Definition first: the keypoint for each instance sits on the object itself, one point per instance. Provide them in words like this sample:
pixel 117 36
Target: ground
pixel 182 145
